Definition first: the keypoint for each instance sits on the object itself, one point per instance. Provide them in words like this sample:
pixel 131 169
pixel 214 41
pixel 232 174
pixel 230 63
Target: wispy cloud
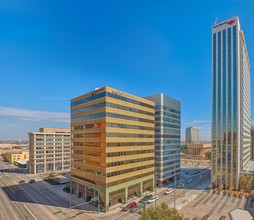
pixel 55 98
pixel 35 115
pixel 197 122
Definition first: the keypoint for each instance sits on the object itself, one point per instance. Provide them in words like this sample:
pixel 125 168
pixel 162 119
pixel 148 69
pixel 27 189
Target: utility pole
pixel 98 200
pixel 155 191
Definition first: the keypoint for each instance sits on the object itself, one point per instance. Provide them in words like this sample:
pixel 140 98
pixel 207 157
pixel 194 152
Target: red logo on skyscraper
pixel 231 22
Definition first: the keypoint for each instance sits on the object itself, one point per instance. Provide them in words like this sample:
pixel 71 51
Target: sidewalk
pixel 189 196
pixel 58 189
pixel 119 206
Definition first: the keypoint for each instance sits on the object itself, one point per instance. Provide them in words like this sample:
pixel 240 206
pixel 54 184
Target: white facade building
pixel 167 137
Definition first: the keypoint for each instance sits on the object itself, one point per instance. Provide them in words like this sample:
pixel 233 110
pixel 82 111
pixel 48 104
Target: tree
pixel 208 155
pixel 185 151
pixel 16 147
pixel 162 212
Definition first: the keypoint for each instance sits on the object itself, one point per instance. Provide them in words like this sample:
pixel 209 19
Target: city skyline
pixel 45 52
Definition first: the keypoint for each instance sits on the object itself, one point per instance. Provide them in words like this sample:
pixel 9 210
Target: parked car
pixel 145 199
pixel 189 180
pixel 155 198
pixel 32 181
pixel 222 218
pixel 141 206
pixel 168 191
pixel 130 206
pixel 135 210
pixel 22 181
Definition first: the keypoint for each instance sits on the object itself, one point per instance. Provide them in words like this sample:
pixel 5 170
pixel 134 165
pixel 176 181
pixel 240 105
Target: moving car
pixel 168 191
pixel 22 181
pixel 179 185
pixel 32 181
pixel 130 206
pixel 155 198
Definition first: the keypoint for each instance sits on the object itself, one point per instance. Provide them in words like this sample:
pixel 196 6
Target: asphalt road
pixel 198 181
pixel 30 200
pixel 37 202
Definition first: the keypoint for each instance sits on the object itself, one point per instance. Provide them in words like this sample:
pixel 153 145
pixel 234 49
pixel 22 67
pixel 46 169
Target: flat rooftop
pixel 240 214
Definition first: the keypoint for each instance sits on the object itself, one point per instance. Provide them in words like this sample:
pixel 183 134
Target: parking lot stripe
pixel 201 198
pixel 209 197
pixel 215 206
pixel 224 204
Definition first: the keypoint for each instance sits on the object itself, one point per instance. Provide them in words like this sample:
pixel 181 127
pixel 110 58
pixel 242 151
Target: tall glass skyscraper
pixel 231 130
pixel 167 137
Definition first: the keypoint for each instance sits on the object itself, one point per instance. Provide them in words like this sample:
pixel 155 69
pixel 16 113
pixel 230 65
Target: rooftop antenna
pixel 216 19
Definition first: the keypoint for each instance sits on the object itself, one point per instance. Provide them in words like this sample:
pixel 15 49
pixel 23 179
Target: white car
pixel 179 185
pixel 153 199
pixel 168 191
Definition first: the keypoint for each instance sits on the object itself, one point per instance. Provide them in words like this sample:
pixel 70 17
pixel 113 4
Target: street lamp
pixel 155 192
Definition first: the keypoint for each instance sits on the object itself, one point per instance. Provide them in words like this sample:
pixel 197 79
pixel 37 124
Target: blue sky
pixel 52 51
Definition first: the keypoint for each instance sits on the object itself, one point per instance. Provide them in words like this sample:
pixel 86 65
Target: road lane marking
pixel 30 212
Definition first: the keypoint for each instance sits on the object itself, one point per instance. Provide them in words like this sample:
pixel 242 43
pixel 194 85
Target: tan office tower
pixel 112 138
pixel 49 150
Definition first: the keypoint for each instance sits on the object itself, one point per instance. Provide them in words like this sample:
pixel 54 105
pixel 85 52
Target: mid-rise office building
pixel 192 135
pixel 14 156
pixel 112 137
pixel 167 137
pixel 49 150
pixel 231 111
